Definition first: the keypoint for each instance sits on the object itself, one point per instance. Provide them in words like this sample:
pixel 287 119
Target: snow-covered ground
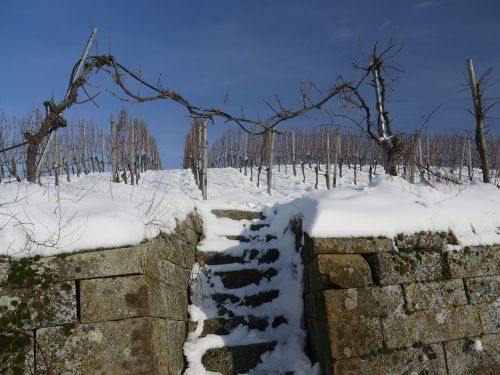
pixel 91 212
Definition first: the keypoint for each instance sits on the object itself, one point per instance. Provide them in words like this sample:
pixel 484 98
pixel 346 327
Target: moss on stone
pixel 66 287
pixel 13 340
pixel 12 354
pixel 68 328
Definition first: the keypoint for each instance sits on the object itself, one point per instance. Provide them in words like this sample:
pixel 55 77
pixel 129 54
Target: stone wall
pixel 110 311
pixel 402 306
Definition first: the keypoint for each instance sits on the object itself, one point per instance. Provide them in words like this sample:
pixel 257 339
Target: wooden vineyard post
pixel 114 165
pixel 132 152
pixel 428 166
pixel 102 152
pixel 336 158
pixel 245 152
pixel 84 149
pixel 66 164
pixel 479 113
pixel 328 167
pixel 293 154
pixel 270 161
pixel 469 160
pixel 204 185
pixel 57 162
pixel 420 159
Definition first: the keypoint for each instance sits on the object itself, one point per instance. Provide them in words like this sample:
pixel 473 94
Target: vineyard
pixel 82 147
pixel 327 151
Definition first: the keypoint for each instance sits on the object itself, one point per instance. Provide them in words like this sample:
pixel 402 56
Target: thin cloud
pixel 341 33
pixel 385 25
pixel 423 4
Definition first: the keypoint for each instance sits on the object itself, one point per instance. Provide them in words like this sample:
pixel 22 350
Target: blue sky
pixel 254 49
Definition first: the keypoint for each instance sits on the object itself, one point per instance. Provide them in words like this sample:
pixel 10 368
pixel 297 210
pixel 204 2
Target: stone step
pixel 252 300
pixel 239 214
pixel 223 326
pixel 222 298
pixel 235 360
pixel 219 258
pixel 270 256
pixel 249 238
pixel 256 227
pixel 258 299
pixel 270 237
pixel 240 278
pixel 213 258
pixel 241 238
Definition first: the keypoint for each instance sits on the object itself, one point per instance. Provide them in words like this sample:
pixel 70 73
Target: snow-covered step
pixel 252 300
pixel 210 258
pixel 250 238
pixel 241 238
pixel 238 214
pixel 235 360
pixel 244 277
pixel 258 226
pixel 224 326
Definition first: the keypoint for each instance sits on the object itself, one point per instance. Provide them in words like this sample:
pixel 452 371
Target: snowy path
pixel 247 302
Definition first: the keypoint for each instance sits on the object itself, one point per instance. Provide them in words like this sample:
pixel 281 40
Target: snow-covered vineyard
pixel 246 308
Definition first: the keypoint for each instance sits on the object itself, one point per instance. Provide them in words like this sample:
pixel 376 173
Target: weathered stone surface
pixel 128 297
pixel 238 214
pixel 431 295
pixel 348 304
pixel 314 246
pixel 4 270
pixel 236 359
pixel 424 241
pixel 127 347
pixel 37 306
pixel 16 353
pixel 319 341
pixel 483 289
pixel 179 247
pixel 490 316
pixel 166 271
pixel 428 359
pixel 431 326
pixel 145 259
pixel 407 267
pixel 463 359
pixel 474 261
pixel 315 306
pixel 337 271
pixel 355 338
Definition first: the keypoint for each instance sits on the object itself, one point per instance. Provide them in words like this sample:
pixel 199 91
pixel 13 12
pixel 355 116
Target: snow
pixel 478 345
pixel 91 212
pixel 288 355
pixel 386 207
pixel 391 206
